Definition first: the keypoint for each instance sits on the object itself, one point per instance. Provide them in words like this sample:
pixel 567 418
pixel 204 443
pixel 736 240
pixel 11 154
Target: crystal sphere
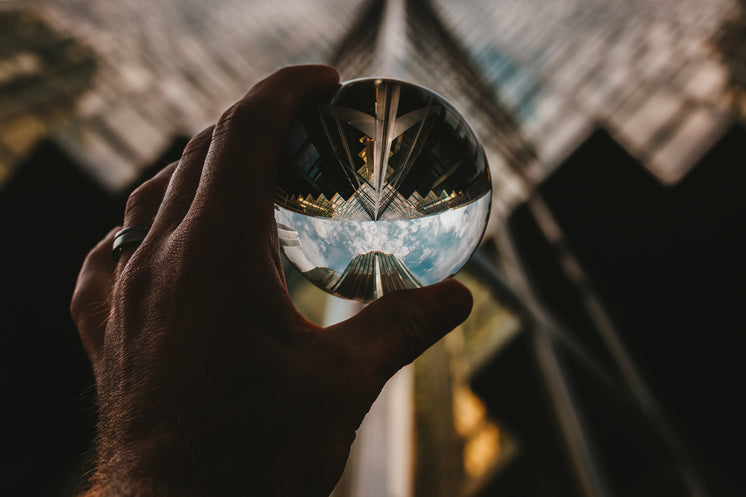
pixel 384 188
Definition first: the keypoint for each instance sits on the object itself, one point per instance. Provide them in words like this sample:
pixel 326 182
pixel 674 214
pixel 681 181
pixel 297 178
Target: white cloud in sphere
pixel 432 247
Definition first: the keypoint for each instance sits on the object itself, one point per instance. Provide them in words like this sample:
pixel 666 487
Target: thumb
pixel 395 329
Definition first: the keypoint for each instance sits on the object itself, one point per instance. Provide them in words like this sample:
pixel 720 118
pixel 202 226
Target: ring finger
pixel 142 207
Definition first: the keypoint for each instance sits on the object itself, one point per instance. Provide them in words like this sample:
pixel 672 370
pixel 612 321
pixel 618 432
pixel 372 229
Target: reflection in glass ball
pixel 385 188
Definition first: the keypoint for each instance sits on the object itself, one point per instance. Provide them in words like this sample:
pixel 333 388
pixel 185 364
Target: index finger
pixel 241 165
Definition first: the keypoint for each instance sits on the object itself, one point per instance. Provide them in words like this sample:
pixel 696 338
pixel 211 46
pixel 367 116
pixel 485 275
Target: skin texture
pixel 209 381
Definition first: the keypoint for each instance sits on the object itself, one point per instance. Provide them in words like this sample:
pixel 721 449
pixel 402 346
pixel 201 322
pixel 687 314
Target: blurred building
pixel 602 356
pixel 42 73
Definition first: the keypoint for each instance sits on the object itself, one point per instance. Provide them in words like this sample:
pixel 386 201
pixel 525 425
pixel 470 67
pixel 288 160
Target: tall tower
pixel 373 274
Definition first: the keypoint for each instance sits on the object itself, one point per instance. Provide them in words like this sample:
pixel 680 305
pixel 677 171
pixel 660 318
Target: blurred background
pixel 601 358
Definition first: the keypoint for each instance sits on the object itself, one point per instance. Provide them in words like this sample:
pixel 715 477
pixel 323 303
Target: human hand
pixel 209 381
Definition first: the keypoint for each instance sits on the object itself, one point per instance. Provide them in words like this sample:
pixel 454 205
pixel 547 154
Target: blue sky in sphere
pixel 432 247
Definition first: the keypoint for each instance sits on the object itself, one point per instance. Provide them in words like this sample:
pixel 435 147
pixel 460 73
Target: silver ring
pixel 134 235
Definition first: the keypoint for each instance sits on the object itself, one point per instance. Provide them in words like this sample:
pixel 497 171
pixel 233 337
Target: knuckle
pixel 151 191
pixel 198 144
pixel 145 195
pixel 231 118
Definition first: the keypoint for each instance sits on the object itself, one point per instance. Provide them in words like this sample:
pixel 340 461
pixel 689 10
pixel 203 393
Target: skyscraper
pixel 368 276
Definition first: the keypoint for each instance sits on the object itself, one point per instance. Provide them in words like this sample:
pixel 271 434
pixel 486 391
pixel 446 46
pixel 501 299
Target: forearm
pixel 179 460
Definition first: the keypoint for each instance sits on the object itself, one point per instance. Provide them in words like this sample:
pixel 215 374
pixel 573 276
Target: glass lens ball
pixel 384 188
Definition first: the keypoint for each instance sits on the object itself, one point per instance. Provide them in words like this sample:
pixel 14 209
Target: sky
pixel 432 247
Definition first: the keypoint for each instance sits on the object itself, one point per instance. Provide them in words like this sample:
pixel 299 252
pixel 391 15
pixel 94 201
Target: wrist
pixel 175 460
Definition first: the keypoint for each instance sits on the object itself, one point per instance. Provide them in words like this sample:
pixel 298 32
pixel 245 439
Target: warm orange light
pixel 468 411
pixel 482 450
